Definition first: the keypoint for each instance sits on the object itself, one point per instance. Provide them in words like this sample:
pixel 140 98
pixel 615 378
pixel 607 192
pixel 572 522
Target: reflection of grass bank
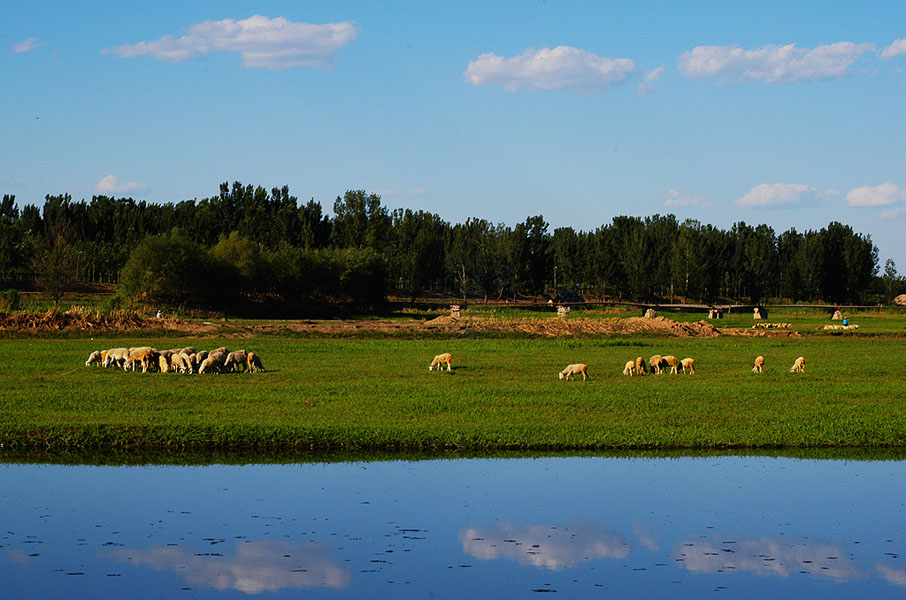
pixel 502 394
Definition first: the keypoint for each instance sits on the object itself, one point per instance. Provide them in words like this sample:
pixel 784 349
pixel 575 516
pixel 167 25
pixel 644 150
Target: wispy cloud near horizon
pixel 771 63
pixel 110 184
pixel 27 46
pixel 275 44
pixel 563 67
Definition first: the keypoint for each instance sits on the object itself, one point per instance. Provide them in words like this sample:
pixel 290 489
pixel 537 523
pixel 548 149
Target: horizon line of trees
pixel 253 244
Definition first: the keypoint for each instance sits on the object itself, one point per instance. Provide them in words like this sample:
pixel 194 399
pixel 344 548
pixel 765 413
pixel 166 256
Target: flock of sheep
pixel 177 360
pixel 656 364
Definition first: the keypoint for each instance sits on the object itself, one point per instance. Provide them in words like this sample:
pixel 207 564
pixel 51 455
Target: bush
pixel 10 300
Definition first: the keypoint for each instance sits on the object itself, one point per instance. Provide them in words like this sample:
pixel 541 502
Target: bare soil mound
pixel 568 327
pixel 77 320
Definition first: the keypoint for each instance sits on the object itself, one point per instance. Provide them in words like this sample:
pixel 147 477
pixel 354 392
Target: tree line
pixel 248 244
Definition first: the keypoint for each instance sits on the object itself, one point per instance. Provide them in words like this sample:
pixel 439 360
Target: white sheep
pixel 672 362
pixel 629 368
pixel 213 363
pixel 640 366
pixel 235 360
pixel 188 350
pixel 759 365
pixel 798 365
pixel 145 356
pixel 163 361
pixel 688 363
pixel 656 363
pixel 179 364
pixel 94 357
pixel 116 357
pixel 440 360
pixel 571 370
pixel 254 363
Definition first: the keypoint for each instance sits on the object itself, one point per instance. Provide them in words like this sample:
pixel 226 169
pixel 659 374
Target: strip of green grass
pixel 377 394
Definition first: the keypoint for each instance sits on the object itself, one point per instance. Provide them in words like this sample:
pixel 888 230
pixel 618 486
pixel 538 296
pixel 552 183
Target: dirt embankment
pixel 76 321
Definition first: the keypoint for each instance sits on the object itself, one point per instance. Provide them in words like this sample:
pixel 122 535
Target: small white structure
pixel 455 311
pixel 650 314
pixel 756 314
pixel 715 313
pixel 837 316
pixel 562 311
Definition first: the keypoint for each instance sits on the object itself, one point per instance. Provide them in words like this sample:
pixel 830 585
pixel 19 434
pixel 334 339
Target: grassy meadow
pixel 376 393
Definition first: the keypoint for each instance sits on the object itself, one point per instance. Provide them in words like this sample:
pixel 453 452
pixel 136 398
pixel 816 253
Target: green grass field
pixel 376 393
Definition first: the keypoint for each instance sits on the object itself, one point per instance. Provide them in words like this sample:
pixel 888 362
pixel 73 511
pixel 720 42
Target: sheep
pixel 254 363
pixel 179 364
pixel 116 356
pixel 672 362
pixel 188 350
pixel 213 363
pixel 163 361
pixel 656 363
pixel 199 358
pixel 640 366
pixel 759 365
pixel 571 370
pixel 235 360
pixel 145 356
pixel 798 366
pixel 688 363
pixel 221 349
pixel 440 360
pixel 94 357
pixel 629 368
pixel 190 361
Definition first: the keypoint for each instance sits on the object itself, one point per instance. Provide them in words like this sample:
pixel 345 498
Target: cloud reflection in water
pixel 768 557
pixel 542 546
pixel 256 567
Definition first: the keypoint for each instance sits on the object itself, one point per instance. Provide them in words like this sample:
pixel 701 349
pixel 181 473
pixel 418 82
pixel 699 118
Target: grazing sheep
pixel 759 365
pixel 672 362
pixel 179 364
pixel 571 370
pixel 221 349
pixel 94 357
pixel 188 350
pixel 640 366
pixel 688 363
pixel 440 360
pixel 163 362
pixel 116 357
pixel 629 368
pixel 235 360
pixel 254 363
pixel 145 356
pixel 190 361
pixel 213 363
pixel 798 366
pixel 656 363
pixel 199 358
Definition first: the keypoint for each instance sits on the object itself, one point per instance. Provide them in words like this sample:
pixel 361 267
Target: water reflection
pixel 541 546
pixel 581 526
pixel 778 557
pixel 262 566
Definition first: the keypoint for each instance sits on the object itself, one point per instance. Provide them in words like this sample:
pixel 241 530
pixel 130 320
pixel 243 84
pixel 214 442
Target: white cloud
pixel 275 44
pixel 674 199
pixel 418 191
pixel 27 46
pixel 897 48
pixel 562 67
pixel 879 195
pixel 774 194
pixel 111 185
pixel 771 63
pixel 652 81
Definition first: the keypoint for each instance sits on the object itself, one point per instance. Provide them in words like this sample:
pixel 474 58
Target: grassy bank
pixel 377 394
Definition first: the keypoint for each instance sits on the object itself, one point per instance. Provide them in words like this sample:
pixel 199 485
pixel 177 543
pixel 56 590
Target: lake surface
pixel 576 527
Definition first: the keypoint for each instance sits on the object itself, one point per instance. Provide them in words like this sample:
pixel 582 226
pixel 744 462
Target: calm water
pixel 740 527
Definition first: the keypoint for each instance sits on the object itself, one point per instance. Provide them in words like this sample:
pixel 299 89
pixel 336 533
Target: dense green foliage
pixel 248 244
pixel 359 393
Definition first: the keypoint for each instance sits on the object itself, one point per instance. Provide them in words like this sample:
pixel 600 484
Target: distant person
pixel 159 316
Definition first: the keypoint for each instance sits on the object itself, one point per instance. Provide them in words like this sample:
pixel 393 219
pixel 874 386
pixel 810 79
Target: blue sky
pixel 790 114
